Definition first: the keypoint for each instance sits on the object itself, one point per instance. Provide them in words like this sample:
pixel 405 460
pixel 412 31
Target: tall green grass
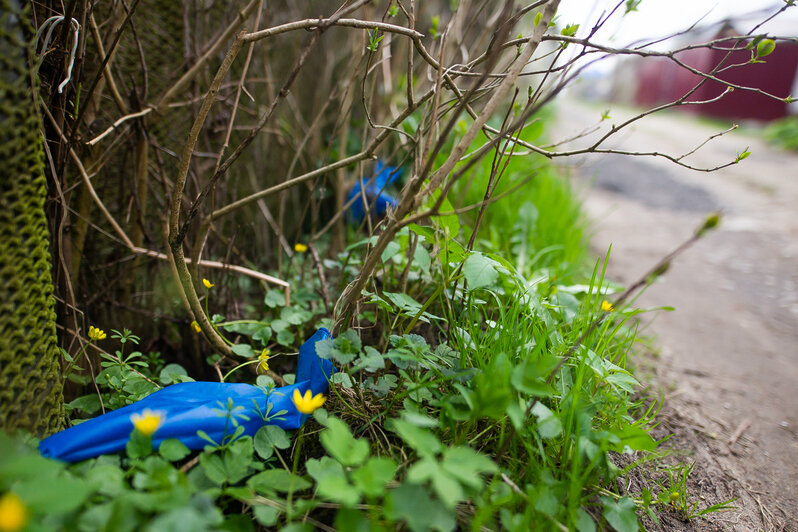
pixel 536 220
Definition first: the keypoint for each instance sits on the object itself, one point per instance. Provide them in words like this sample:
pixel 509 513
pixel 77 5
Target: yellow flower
pixel 148 421
pixel 207 283
pixel 307 403
pixel 195 326
pixel 606 306
pixel 96 334
pixel 263 361
pixel 13 514
pixel 300 248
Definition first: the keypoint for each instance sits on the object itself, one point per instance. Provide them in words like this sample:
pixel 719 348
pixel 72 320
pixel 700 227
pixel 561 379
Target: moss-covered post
pixel 31 391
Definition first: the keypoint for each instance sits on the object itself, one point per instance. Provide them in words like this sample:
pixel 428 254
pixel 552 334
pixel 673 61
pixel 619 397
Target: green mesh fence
pixel 31 394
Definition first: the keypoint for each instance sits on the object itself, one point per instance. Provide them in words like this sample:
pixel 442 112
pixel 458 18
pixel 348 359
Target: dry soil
pixel 727 357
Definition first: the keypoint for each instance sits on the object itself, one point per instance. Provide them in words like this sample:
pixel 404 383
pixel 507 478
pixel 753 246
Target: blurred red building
pixel 660 80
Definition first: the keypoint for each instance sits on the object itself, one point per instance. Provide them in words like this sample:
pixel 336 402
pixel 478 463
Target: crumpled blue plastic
pixel 189 407
pixel 376 195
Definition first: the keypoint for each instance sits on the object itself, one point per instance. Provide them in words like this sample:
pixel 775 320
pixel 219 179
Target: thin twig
pixel 314 23
pixel 739 432
pixel 119 122
pixel 325 291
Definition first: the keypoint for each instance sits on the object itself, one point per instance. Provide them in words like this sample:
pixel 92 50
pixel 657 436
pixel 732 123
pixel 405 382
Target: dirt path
pixel 728 356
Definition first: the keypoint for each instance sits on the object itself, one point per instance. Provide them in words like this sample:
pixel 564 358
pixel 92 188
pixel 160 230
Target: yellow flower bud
pixel 300 248
pixel 207 283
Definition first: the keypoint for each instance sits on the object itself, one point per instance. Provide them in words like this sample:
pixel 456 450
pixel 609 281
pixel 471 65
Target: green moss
pixel 31 394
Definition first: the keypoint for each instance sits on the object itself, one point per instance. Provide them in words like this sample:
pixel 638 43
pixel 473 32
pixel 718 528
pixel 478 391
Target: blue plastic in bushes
pixel 189 407
pixel 376 196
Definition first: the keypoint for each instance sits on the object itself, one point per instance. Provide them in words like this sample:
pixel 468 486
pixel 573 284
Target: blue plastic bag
pixel 189 406
pixel 376 196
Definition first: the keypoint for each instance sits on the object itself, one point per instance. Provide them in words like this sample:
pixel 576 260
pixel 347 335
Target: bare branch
pixel 312 24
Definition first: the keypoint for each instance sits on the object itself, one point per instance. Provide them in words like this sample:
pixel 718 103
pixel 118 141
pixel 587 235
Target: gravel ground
pixel 727 357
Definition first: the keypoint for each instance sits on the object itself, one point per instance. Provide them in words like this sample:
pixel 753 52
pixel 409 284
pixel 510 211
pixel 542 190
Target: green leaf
pixel 423 470
pixel 445 485
pixel 247 329
pixel 423 441
pixel 635 438
pixel 342 349
pixel 621 514
pixel 370 361
pixel 214 468
pixel 266 515
pixel 390 251
pixel 96 517
pixel 264 334
pixel 382 385
pixel 421 258
pixel 451 250
pixel 279 325
pixel 419 420
pixel 285 338
pixel 466 465
pixel 109 480
pixel 374 475
pixel 413 504
pixel 404 302
pixel 138 445
pixel 88 404
pixel 538 18
pixel 327 349
pixel 274 298
pixel 267 438
pixel 337 439
pixel 243 350
pixel 427 232
pixel 352 520
pixel 321 416
pixel 173 373
pixel 545 501
pixel 201 516
pixel 530 376
pixel 448 489
pixel 584 523
pixel 331 482
pixel 623 380
pixel 274 480
pixel 231 465
pixel 295 315
pixel 342 378
pixel 54 495
pixel 173 449
pixel 480 271
pixel 242 493
pixel 297 526
pixel 450 223
pixel 549 425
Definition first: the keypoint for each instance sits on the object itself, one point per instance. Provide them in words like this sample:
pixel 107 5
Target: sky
pixel 658 18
